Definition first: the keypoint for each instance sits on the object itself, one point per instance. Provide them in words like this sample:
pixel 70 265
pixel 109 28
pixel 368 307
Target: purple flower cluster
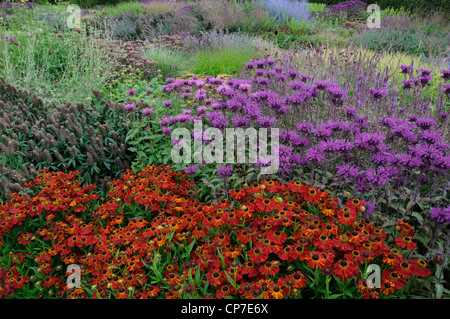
pixel 225 171
pixel 441 215
pixel 191 169
pixel 367 137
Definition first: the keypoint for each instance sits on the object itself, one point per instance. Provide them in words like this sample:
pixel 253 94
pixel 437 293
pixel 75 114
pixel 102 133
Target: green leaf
pixel 334 296
pixel 418 216
pixel 231 280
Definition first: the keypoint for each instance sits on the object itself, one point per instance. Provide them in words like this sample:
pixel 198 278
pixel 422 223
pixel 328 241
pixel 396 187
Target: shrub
pixel 415 42
pixel 63 137
pixel 93 3
pixel 54 63
pixel 283 10
pixel 171 62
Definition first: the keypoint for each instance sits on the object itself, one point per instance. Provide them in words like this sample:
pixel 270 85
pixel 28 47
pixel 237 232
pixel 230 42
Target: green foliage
pixel 171 62
pixel 93 3
pixel 410 42
pixel 51 60
pixel 225 60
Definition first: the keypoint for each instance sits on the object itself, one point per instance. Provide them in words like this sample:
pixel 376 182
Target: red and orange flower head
pixel 387 287
pixel 239 194
pixel 341 242
pixel 346 216
pixel 276 292
pixel 258 255
pixel 345 270
pixel 265 205
pixel 225 290
pixel 420 268
pixel 405 242
pixel 394 277
pixel 299 279
pixel 268 269
pixel 215 278
pixel 405 268
pixel 316 259
pixel 250 269
pixel 322 242
pixel 405 229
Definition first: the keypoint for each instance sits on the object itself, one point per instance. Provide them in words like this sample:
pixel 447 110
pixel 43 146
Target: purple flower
pixel 322 85
pixel 378 93
pixel 426 122
pixel 191 169
pixel 131 92
pixel 445 74
pixel 446 88
pixel 305 127
pixel 147 111
pixel 167 103
pixel 129 107
pixel 314 155
pixel 217 119
pixel 296 84
pixel 407 68
pixel 200 95
pixel 240 121
pixel 407 84
pixel 148 91
pixel 167 130
pixel 425 72
pixel 347 170
pixel 441 215
pixel 367 140
pixel 225 171
pixel 424 79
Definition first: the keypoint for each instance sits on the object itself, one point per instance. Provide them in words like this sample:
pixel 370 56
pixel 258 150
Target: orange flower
pixel 269 269
pixel 387 287
pixel 316 259
pixel 345 270
pixel 405 242
pixel 215 278
pixel 276 292
pixel 265 205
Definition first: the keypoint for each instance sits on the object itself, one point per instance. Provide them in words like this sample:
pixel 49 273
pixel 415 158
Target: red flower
pixel 277 237
pixel 239 194
pixel 405 242
pixel 300 279
pixel 345 269
pixel 405 268
pixel 393 276
pixel 25 238
pixel 420 267
pixel 316 259
pixel 265 205
pixel 258 255
pixel 250 269
pixel 346 216
pixel 342 243
pixel 323 242
pixel 268 269
pixel 224 291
